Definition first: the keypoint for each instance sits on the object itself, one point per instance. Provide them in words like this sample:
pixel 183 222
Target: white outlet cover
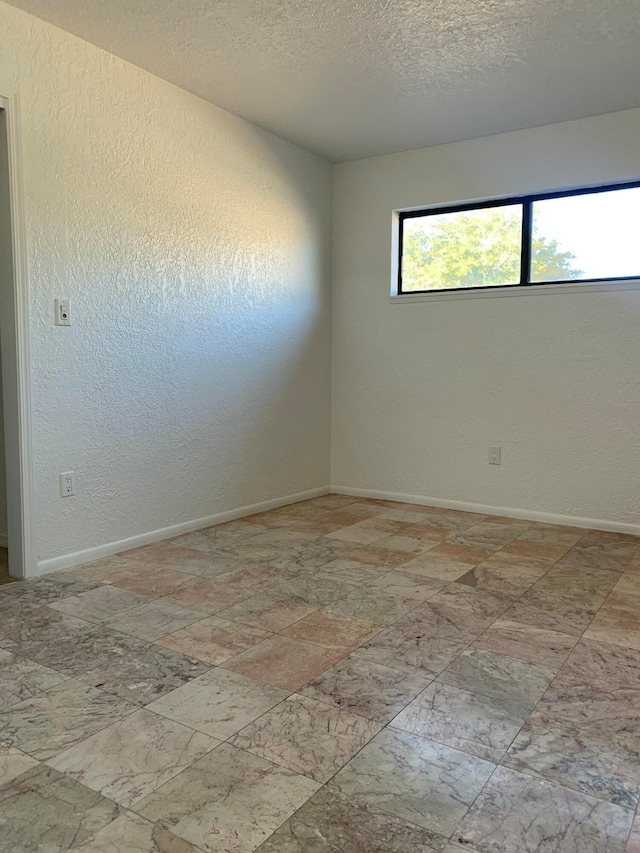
pixel 495 455
pixel 67 484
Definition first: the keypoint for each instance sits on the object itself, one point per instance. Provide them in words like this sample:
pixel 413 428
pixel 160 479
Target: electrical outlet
pixel 495 454
pixel 67 484
pixel 63 312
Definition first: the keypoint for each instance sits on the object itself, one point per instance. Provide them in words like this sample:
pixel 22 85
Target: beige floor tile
pixel 552 534
pixel 98 605
pixel 131 758
pixel 219 537
pixel 44 811
pixel 462 553
pixel 350 571
pixel 21 678
pixel 537 645
pixel 617 621
pixel 516 683
pixel 268 612
pixel 429 566
pixel 577 757
pixel 405 585
pixel 219 703
pixel 13 763
pixel 229 801
pixel 333 630
pixel 480 725
pixel 314 589
pixel 152 619
pixel 464 597
pixel 497 581
pixel 518 564
pixel 376 555
pixel 152 581
pixel 256 578
pixel 190 561
pixel 134 834
pixel 209 596
pixel 426 640
pixel 283 662
pixel 307 736
pixel 375 605
pixel 539 550
pixel 357 535
pixel 633 844
pixel 62 716
pixel 412 541
pixel 515 812
pixel 213 639
pixel 415 779
pixel 330 821
pixel 567 609
pixel 628 584
pixel 366 688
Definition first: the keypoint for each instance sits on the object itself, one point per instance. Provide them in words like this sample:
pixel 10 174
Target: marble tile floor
pixel 337 676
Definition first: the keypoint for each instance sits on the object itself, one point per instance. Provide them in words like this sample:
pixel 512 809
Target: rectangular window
pixel 552 238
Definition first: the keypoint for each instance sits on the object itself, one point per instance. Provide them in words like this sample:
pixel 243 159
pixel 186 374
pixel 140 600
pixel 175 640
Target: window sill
pixel 516 290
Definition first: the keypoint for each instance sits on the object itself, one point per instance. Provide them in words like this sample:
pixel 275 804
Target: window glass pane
pixel 586 236
pixel 469 248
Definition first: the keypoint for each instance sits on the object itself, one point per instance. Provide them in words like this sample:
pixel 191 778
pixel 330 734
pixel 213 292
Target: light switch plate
pixel 63 312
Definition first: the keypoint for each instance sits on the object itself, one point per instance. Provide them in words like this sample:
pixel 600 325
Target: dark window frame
pixel 527 202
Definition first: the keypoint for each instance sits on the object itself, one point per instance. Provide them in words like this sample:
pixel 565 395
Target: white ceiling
pixel 354 78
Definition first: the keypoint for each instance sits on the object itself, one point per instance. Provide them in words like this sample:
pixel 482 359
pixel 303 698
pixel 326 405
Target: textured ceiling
pixel 355 78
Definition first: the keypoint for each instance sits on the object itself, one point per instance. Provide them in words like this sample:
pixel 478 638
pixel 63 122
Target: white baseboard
pixel 4 540
pixel 486 509
pixel 78 558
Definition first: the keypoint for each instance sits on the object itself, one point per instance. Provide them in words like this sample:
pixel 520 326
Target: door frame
pixel 16 362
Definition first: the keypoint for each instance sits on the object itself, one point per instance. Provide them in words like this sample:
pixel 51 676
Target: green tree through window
pixel 476 248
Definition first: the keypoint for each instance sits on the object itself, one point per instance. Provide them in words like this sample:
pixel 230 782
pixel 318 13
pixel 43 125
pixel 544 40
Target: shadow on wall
pixel 196 375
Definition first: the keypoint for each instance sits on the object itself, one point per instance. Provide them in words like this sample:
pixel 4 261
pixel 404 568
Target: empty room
pixel 319 426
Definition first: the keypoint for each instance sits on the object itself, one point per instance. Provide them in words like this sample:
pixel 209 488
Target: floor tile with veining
pixel 333 630
pixel 480 725
pixel 414 779
pixel 134 834
pixel 219 703
pixel 516 682
pixel 42 810
pixel 517 813
pixel 330 822
pixel 131 758
pixel 339 675
pixel 62 716
pixel 21 678
pixel 526 642
pixel 13 762
pixel 213 639
pixel 285 663
pixel 229 800
pixel 366 688
pixel 307 736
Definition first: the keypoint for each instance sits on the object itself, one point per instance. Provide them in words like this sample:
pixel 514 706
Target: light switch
pixel 63 312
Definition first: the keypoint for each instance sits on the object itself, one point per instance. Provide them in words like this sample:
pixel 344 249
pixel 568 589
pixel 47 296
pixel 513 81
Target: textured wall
pixel 194 248
pixel 421 390
pixel 3 492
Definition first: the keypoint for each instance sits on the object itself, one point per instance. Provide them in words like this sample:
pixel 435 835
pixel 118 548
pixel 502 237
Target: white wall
pixel 3 491
pixel 195 251
pixel 421 390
